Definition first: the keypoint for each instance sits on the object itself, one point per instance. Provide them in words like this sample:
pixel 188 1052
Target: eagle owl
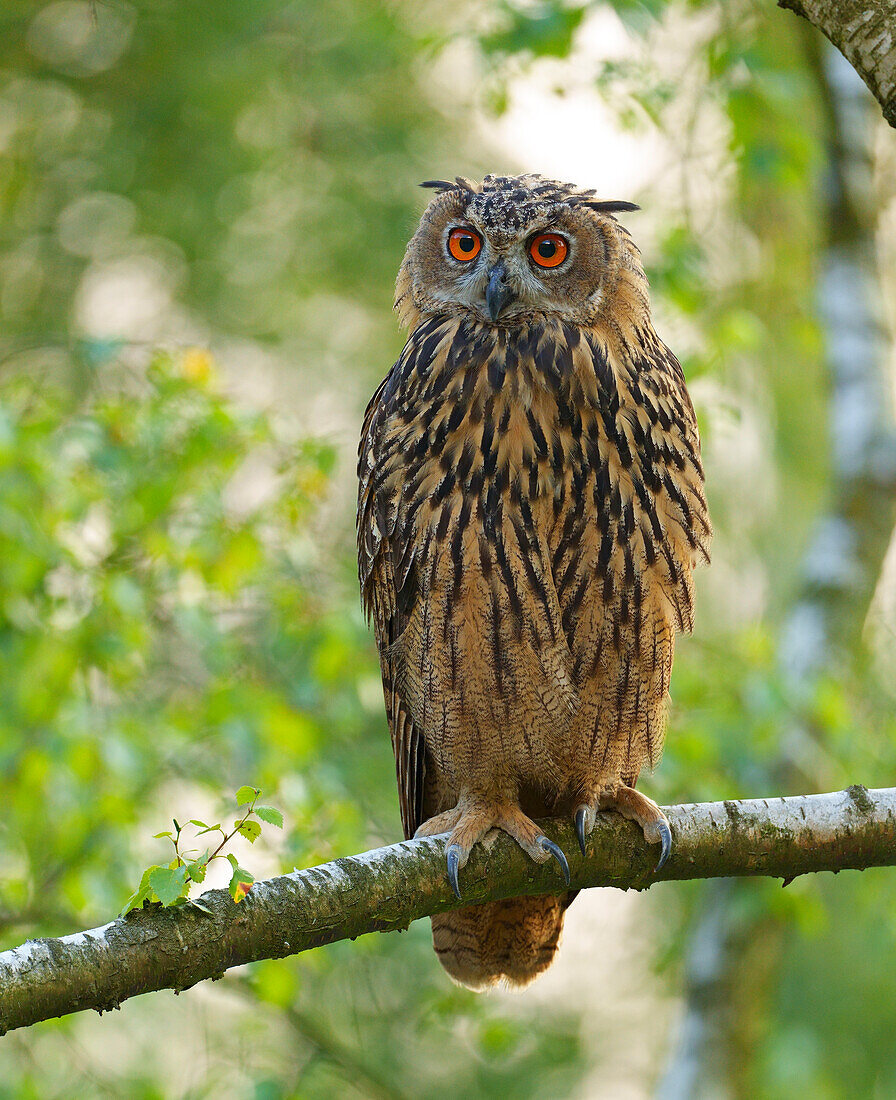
pixel 531 508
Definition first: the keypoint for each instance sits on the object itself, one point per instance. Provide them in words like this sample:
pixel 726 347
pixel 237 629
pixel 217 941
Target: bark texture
pixel 864 31
pixel 384 890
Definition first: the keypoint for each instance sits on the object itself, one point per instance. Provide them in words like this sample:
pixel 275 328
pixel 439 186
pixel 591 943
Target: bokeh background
pixel 202 209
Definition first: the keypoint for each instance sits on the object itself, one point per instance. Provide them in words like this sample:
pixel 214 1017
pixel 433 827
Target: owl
pixel 531 508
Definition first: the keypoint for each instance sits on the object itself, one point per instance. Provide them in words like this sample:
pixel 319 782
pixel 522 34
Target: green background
pixel 202 210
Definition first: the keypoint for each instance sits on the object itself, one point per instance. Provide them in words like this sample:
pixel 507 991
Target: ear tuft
pixel 460 184
pixel 614 206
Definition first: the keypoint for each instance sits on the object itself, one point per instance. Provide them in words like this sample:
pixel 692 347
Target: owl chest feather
pixel 540 508
pixel 535 425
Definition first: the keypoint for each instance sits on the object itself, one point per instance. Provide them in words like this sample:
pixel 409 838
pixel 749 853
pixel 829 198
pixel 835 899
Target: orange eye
pixel 464 244
pixel 548 249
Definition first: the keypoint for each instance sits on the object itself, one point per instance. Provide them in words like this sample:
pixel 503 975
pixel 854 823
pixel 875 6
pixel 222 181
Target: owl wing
pixel 383 556
pixel 636 524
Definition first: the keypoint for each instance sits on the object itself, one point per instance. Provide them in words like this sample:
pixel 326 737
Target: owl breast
pixel 537 500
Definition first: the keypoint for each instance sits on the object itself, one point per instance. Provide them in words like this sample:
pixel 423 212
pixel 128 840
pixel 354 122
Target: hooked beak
pixel 498 293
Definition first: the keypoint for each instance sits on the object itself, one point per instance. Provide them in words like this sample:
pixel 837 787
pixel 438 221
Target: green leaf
pixel 169 883
pixel 239 890
pixel 270 815
pixel 240 882
pixel 134 902
pixel 246 795
pixel 142 893
pixel 200 905
pixel 200 824
pixel 158 836
pixel 198 868
pixel 251 830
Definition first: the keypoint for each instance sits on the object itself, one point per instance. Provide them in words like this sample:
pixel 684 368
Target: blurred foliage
pixel 248 173
pixel 545 30
pixel 178 606
pixel 161 635
pixel 735 268
pixel 179 610
pixel 139 597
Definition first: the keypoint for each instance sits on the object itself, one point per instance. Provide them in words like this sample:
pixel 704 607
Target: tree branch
pixel 864 31
pixel 384 890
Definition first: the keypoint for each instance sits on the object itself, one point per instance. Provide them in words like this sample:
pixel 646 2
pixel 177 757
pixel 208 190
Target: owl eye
pixel 464 243
pixel 548 249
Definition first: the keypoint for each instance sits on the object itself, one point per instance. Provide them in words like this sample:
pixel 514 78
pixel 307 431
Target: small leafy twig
pixel 170 884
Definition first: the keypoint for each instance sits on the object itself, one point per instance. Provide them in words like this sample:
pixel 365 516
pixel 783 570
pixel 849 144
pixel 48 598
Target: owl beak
pixel 498 293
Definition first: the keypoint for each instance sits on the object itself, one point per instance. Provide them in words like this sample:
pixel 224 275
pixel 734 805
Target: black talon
pixel 453 855
pixel 557 853
pixel 666 840
pixel 581 815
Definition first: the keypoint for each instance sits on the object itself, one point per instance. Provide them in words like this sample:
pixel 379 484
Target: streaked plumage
pixel 531 507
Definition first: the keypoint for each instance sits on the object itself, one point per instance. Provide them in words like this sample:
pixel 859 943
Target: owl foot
pixel 468 824
pixel 636 807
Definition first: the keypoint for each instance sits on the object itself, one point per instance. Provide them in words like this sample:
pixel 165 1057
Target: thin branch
pixel 864 31
pixel 384 890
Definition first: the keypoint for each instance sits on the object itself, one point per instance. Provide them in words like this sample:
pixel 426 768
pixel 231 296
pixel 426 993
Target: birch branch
pixel 864 31
pixel 384 890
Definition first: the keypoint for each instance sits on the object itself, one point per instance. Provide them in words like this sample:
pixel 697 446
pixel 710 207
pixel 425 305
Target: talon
pixel 557 852
pixel 453 855
pixel 666 841
pixel 581 817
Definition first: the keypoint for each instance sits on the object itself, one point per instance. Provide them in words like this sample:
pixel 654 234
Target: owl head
pixel 513 247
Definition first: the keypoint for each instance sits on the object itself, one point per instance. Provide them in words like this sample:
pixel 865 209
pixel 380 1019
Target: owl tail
pixel 514 940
